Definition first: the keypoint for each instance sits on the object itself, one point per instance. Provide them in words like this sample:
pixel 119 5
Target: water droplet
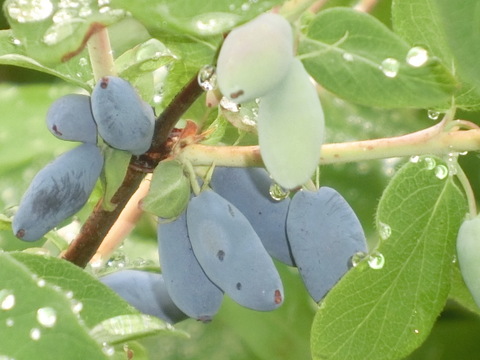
pixel 390 67
pixel 376 260
pixel 433 115
pixel 77 306
pixel 5 357
pixel 417 56
pixel 41 282
pixel 103 2
pixel 69 294
pixel 441 172
pixel 83 61
pixel 278 193
pixel 7 299
pixel 25 11
pixel 229 105
pixel 9 322
pixel 157 98
pixel 347 57
pixel 452 163
pixel 430 163
pixel 47 317
pixel 108 349
pixel 245 6
pixel 416 331
pixel 118 261
pixel 16 42
pixel 357 258
pixel 35 334
pixel 385 231
pixel 207 78
pixel 415 159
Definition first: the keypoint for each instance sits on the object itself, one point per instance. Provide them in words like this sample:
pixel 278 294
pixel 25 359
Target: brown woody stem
pixel 94 230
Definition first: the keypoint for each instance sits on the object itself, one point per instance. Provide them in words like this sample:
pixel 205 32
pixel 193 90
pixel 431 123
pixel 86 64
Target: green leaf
pixel 98 302
pixel 216 130
pixel 420 23
pixel 355 56
pixel 114 170
pixel 12 52
pixel 200 18
pixel 37 317
pixel 130 327
pixel 378 312
pixel 169 190
pixel 461 24
pixel 51 33
pixel 145 57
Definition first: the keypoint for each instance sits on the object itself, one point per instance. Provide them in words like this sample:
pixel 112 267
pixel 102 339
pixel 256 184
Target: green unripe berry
pixel 468 254
pixel 254 58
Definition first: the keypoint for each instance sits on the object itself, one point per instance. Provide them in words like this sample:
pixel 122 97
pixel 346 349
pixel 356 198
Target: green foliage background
pixel 236 333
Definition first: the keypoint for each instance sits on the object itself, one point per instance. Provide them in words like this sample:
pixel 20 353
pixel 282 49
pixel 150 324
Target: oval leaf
pixel 358 58
pixel 169 190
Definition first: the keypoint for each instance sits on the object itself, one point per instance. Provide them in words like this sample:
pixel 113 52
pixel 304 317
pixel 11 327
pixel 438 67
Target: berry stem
pixel 172 113
pixel 100 53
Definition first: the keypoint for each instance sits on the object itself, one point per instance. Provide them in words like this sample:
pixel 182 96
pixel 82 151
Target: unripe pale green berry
pixel 468 254
pixel 255 57
pixel 291 128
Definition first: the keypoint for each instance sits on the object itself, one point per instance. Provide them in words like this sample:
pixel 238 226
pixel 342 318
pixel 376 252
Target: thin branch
pixel 125 223
pixel 98 224
pixel 433 141
pixel 172 113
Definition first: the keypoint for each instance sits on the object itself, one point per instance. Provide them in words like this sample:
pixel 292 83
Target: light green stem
pixel 462 178
pixel 431 141
pixel 101 56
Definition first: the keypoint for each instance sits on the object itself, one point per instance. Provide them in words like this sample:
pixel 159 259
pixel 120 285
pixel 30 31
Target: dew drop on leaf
pixel 77 306
pixel 376 260
pixel 207 78
pixel 430 163
pixel 415 159
pixel 47 317
pixel 5 357
pixel 108 349
pixel 9 322
pixel 278 193
pixel 35 334
pixel 385 231
pixel 7 299
pixel 347 57
pixel 441 172
pixel 25 11
pixel 433 115
pixel 357 258
pixel 417 56
pixel 390 67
